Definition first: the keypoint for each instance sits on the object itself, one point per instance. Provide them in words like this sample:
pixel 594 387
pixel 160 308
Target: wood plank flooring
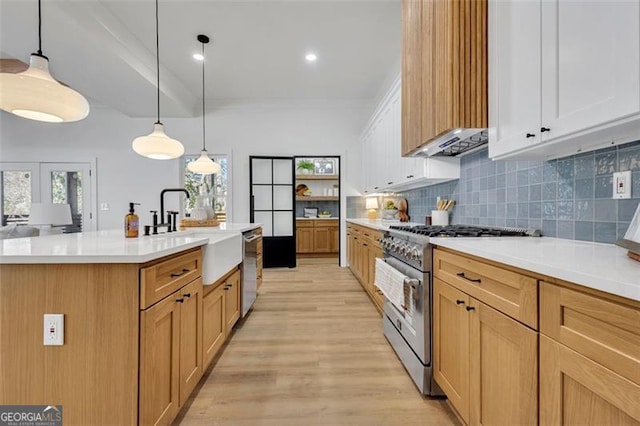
pixel 311 352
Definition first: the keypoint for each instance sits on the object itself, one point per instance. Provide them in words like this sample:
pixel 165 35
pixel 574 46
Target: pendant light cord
pixel 204 144
pixel 157 61
pixel 39 53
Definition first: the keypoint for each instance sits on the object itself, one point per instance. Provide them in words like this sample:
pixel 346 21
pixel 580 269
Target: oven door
pixel 412 323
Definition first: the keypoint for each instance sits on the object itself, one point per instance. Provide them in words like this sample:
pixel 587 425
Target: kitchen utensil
pixel 439 217
pixel 403 210
pixel 449 205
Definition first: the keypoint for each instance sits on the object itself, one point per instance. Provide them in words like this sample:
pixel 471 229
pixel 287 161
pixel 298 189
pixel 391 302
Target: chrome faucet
pixel 167 221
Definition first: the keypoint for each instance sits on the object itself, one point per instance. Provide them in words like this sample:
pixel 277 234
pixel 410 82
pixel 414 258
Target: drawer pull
pixel 470 308
pixel 473 280
pixel 180 300
pixel 186 295
pixel 459 302
pixel 178 274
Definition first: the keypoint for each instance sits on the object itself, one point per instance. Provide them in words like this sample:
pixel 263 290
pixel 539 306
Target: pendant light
pixel 35 95
pixel 157 145
pixel 204 165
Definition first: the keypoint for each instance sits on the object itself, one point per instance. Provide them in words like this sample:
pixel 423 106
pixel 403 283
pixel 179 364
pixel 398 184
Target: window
pixel 216 186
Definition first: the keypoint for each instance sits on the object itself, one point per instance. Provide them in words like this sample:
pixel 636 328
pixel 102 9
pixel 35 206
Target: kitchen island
pixel 132 337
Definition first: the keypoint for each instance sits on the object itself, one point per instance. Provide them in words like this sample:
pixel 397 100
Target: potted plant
pixel 306 167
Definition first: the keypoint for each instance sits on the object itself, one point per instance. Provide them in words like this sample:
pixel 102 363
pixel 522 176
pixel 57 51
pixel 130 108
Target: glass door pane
pixel 69 183
pixel 19 187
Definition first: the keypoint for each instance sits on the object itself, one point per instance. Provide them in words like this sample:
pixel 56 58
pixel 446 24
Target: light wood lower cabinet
pixel 589 357
pixel 170 353
pixel 259 262
pixel 363 246
pixel 485 361
pixel 575 390
pixel 314 236
pixel 221 308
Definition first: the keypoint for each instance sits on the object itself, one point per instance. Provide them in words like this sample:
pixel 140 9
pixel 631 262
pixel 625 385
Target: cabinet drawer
pixel 301 223
pixel 327 223
pixel 605 331
pixel 160 280
pixel 510 292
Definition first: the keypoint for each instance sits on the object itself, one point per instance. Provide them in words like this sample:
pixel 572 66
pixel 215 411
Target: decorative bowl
pixel 324 216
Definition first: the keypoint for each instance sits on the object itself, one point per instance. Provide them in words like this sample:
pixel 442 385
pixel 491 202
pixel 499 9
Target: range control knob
pixel 415 254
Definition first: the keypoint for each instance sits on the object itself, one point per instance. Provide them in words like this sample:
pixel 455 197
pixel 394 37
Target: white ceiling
pixel 106 49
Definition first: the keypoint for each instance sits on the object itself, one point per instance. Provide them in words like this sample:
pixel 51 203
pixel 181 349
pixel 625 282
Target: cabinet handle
pixel 186 295
pixel 545 129
pixel 409 177
pixel 531 135
pixel 177 274
pixel 180 300
pixel 459 302
pixel 376 187
pixel 470 308
pixel 473 280
pixel 389 183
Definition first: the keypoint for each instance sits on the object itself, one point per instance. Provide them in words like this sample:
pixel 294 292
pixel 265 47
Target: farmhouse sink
pixel 223 252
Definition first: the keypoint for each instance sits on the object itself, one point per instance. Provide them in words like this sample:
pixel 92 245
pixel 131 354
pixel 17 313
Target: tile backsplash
pixel 566 198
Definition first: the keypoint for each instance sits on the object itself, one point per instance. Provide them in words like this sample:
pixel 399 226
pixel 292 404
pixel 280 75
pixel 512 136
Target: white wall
pixel 240 131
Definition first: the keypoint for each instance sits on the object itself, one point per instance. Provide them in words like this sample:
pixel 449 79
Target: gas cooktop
pixel 466 231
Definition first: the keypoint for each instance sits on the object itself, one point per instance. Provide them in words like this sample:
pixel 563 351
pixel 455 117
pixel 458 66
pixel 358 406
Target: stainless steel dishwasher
pixel 249 269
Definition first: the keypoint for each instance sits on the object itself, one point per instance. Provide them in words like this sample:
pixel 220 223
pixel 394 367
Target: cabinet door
pixel 575 390
pixel 321 240
pixel 503 367
pixel 590 63
pixel 514 75
pixel 304 240
pixel 334 240
pixel 160 362
pixel 451 344
pixel 191 367
pixel 213 324
pixel 232 301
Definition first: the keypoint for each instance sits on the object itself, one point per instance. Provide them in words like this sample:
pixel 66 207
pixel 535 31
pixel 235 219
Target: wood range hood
pixel 444 77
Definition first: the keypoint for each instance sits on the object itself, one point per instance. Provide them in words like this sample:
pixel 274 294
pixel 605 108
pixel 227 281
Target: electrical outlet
pixel 622 185
pixel 53 329
pixel 104 206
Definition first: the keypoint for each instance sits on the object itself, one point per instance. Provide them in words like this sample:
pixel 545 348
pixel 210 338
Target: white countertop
pixel 604 267
pixel 318 218
pixel 109 246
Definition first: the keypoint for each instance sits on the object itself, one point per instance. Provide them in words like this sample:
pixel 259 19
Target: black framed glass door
pixel 272 195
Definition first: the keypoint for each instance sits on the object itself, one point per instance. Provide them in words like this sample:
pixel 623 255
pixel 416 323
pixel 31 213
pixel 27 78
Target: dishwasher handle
pixel 250 238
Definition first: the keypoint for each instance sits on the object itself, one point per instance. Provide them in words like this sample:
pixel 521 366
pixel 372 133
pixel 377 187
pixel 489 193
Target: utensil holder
pixel 439 217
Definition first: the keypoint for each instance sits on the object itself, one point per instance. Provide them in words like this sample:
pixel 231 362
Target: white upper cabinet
pixel 564 76
pixel 383 167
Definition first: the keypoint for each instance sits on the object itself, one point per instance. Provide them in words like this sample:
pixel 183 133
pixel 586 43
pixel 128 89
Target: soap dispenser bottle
pixel 131 222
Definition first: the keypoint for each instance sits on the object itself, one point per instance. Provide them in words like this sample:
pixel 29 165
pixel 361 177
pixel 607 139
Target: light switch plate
pixel 53 329
pixel 622 185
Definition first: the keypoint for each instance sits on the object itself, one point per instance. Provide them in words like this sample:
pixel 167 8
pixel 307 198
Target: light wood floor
pixel 311 352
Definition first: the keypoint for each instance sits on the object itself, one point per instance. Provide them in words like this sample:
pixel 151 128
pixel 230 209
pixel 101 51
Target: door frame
pixel 341 220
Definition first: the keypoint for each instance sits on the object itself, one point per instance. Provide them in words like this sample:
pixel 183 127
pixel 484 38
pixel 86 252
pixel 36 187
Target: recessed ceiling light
pixel 198 57
pixel 311 57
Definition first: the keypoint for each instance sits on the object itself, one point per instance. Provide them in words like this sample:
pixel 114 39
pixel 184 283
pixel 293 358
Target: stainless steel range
pixel 408 327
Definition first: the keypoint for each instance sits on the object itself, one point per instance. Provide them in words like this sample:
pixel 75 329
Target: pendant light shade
pixel 157 145
pixel 35 95
pixel 204 165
